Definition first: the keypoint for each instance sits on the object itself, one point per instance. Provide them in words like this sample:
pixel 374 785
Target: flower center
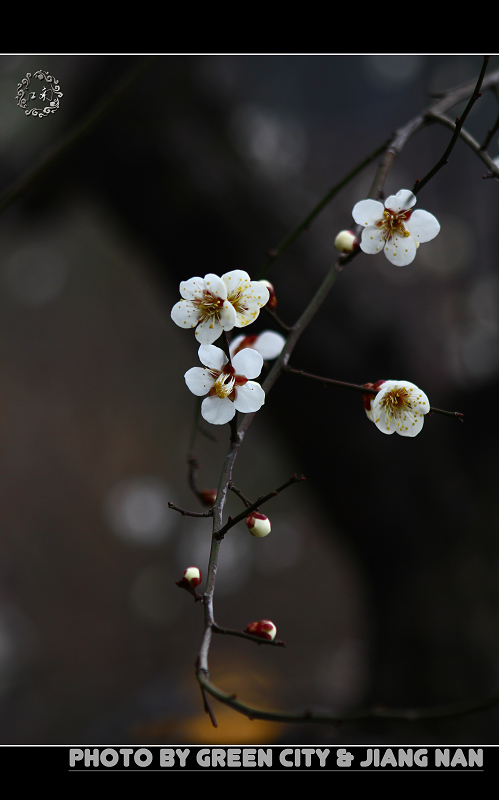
pixel 396 401
pixel 236 298
pixel 224 385
pixel 392 223
pixel 210 305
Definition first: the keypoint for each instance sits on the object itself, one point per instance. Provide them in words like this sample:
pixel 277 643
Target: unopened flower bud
pixel 208 497
pixel 258 524
pixel 265 629
pixel 192 577
pixel 272 301
pixel 346 242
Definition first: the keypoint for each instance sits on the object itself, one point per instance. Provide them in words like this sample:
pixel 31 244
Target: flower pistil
pixel 209 305
pixel 392 224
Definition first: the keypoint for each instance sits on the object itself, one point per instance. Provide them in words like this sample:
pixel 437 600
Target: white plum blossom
pixel 393 227
pixel 213 304
pixel 204 305
pixel 268 343
pixel 399 406
pixel 246 296
pixel 228 385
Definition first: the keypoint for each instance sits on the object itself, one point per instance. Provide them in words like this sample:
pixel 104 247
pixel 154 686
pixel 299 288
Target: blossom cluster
pixel 213 304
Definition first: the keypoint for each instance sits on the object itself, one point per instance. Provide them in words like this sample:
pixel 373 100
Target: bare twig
pixel 445 711
pixel 250 636
pixel 469 140
pixel 279 249
pixel 459 124
pixel 186 513
pixel 253 506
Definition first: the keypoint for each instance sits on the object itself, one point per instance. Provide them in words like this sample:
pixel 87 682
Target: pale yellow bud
pixel 345 242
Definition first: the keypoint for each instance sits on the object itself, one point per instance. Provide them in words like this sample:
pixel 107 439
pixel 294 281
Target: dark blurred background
pixel 382 570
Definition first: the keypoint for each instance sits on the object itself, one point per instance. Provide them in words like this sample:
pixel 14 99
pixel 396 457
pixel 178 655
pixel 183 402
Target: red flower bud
pixel 265 629
pixel 258 524
pixel 192 577
pixel 208 497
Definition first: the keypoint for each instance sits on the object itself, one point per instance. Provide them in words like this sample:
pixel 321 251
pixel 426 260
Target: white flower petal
pixel 249 397
pixel 248 363
pixel 269 344
pixel 384 423
pixel 208 330
pixel 227 316
pixel 247 309
pixel 193 289
pixel 401 201
pixel 216 286
pixel 367 212
pixel 372 240
pixel 212 357
pixel 199 381
pixel 410 426
pixel 423 226
pixel 260 293
pixel 217 411
pixel 400 250
pixel 235 343
pixel 185 314
pixel 236 280
pixel 246 296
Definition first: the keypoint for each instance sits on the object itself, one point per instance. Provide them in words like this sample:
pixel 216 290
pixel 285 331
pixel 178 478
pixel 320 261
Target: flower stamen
pixel 209 306
pixel 392 224
pixel 224 385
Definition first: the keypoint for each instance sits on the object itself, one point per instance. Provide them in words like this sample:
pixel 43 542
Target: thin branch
pixel 469 140
pixel 206 704
pixel 279 249
pixel 239 494
pixel 253 506
pixel 357 387
pixel 444 711
pixel 243 635
pixel 459 124
pixel 491 132
pixel 186 513
pixel 280 324
pixel 182 585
